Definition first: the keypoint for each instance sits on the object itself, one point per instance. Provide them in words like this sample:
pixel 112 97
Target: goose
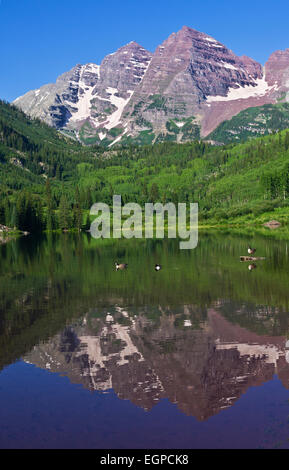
pixel 251 267
pixel 120 265
pixel 251 251
pixel 158 267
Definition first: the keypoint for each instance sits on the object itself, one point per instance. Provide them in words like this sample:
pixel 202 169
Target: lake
pixel 192 356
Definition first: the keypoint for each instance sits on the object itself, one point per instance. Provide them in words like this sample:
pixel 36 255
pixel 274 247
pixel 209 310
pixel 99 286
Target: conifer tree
pixel 14 218
pixel 154 193
pixel 77 210
pixel 63 214
pixel 88 202
pixel 49 218
pixel 2 214
pixel 87 223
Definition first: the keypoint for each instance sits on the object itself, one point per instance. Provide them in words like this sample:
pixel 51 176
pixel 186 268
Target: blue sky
pixel 40 39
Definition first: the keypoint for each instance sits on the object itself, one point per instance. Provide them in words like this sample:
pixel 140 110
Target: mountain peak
pixel 186 28
pixel 187 37
pixel 192 32
pixel 131 46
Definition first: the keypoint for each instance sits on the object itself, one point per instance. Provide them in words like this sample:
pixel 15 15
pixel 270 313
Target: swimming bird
pixel 120 266
pixel 158 267
pixel 251 251
pixel 251 267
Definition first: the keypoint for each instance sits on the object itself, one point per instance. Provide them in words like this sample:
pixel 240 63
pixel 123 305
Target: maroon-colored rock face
pixel 186 69
pixel 212 67
pixel 220 111
pixel 119 75
pixel 125 68
pixel 275 85
pixel 277 69
pixel 189 76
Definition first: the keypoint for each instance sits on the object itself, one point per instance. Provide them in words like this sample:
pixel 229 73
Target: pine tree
pixel 87 223
pixel 154 193
pixel 49 218
pixel 63 214
pixel 77 210
pixel 29 212
pixel 7 213
pixel 88 201
pixel 2 214
pixel 14 218
pixel 21 210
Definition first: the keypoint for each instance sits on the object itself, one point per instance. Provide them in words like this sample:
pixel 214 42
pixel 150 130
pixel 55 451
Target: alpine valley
pixel 183 91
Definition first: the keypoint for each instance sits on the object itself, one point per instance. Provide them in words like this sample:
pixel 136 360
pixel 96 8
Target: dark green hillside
pixel 30 153
pixel 32 145
pixel 253 122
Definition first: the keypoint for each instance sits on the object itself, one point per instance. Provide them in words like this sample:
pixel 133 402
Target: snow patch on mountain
pixel 214 43
pixel 85 94
pixel 228 66
pixel 102 135
pixel 241 93
pixel 211 40
pixel 120 103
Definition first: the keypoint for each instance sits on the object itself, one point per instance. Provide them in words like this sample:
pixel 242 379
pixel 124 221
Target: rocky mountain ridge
pixel 182 91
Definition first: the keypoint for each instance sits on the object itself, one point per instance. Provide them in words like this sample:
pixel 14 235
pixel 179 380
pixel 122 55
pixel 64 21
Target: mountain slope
pixel 182 91
pixel 251 123
pixel 30 151
pixel 90 96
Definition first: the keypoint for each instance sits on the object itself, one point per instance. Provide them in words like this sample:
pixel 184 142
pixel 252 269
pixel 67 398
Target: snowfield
pixel 243 93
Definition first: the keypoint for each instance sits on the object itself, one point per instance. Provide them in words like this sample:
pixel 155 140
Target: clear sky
pixel 40 39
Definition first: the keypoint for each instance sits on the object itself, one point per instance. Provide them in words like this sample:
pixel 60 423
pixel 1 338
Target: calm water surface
pixel 193 356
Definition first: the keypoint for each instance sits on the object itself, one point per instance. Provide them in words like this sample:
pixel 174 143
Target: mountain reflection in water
pixel 202 370
pixel 199 334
